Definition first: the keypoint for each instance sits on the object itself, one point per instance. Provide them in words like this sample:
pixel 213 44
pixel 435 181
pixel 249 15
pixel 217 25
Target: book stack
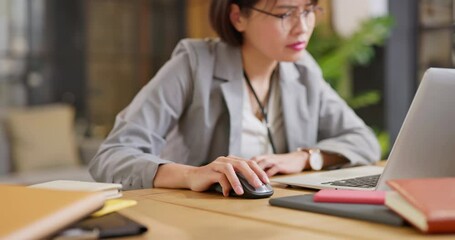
pixel 428 204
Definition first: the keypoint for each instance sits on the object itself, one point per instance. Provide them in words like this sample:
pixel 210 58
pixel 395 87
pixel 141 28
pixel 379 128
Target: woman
pixel 255 94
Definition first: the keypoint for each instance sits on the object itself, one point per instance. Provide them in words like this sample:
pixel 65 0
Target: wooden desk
pixel 171 221
pixel 183 214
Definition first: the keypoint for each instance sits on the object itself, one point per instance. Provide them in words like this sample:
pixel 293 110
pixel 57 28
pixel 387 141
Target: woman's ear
pixel 237 20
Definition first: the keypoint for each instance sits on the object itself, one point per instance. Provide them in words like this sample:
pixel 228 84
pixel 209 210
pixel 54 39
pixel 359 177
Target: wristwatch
pixel 315 158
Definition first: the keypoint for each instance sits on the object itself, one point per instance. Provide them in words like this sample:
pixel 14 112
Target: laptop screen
pixel 425 146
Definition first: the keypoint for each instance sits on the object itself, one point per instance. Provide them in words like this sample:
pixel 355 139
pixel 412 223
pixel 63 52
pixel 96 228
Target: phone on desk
pixel 107 226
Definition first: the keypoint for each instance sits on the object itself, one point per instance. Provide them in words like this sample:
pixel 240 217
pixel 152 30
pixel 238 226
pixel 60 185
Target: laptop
pixel 425 146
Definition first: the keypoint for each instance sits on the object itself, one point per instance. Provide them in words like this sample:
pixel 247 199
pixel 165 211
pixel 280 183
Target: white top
pixel 254 132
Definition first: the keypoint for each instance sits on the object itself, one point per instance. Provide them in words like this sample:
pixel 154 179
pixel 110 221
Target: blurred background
pixel 68 67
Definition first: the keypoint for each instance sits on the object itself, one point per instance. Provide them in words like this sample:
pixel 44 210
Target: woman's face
pixel 279 39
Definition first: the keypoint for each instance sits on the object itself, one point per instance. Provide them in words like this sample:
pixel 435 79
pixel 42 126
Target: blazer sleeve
pixel 130 153
pixel 343 132
pixel 340 130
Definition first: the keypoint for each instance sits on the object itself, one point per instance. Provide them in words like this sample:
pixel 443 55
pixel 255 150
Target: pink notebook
pixel 350 196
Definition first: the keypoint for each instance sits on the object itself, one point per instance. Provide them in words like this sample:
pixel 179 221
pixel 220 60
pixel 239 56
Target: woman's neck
pixel 258 67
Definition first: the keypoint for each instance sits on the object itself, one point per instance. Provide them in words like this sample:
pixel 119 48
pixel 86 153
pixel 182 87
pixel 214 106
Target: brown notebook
pixel 428 204
pixel 29 213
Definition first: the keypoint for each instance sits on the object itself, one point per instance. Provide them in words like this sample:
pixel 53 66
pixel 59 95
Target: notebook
pixel 427 203
pixel 422 149
pixel 367 212
pixel 350 196
pixel 32 213
pixel 109 190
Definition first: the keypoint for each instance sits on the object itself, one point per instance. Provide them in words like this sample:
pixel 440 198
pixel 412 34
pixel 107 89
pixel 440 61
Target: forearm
pixel 332 159
pixel 172 175
pixel 359 147
pixel 125 165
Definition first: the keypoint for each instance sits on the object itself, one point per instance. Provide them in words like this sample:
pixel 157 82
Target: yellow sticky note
pixel 113 205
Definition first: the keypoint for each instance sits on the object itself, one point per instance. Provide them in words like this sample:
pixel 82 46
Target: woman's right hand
pixel 223 170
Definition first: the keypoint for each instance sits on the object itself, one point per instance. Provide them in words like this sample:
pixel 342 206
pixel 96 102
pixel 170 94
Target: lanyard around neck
pixel 262 108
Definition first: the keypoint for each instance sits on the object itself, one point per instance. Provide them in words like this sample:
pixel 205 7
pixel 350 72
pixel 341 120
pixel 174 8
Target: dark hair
pixel 221 23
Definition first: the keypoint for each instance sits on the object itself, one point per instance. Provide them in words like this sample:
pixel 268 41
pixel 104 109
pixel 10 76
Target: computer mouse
pixel 249 191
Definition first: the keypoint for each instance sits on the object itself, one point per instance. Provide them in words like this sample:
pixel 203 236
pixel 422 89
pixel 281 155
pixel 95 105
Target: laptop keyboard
pixel 361 182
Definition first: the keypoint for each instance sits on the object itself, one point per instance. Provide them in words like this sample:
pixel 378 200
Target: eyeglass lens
pixel 305 17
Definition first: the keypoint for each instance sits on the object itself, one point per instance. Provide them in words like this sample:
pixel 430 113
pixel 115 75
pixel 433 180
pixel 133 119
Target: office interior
pixel 85 60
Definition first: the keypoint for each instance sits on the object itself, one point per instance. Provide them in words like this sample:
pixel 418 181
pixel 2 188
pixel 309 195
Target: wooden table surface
pixel 183 214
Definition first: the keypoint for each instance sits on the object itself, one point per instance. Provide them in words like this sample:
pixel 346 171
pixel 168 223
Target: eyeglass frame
pixel 288 14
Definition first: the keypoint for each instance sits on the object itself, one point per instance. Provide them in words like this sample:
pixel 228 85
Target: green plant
pixel 337 55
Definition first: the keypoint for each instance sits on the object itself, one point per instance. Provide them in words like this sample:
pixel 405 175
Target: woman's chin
pixel 292 57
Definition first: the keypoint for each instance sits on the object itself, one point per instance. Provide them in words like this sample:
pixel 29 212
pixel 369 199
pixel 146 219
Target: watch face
pixel 316 161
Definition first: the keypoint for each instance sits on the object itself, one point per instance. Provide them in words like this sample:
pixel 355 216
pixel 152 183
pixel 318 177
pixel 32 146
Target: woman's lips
pixel 297 46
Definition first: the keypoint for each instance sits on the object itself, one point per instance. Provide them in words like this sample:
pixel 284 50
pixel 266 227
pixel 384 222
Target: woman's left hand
pixel 293 162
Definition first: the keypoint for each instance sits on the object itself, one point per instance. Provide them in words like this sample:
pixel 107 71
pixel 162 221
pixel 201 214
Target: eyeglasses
pixel 291 18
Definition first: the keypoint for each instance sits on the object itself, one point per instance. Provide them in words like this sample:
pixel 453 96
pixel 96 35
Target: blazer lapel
pixel 228 68
pixel 294 105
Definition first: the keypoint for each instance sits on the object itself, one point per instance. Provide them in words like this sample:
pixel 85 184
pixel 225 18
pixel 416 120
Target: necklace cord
pixel 262 108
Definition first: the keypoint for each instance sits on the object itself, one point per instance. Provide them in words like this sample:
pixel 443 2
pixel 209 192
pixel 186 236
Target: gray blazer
pixel 191 111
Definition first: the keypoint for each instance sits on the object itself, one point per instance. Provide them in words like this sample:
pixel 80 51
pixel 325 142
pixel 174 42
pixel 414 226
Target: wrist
pixel 318 159
pixel 173 175
pixel 315 159
pixel 187 174
pixel 304 156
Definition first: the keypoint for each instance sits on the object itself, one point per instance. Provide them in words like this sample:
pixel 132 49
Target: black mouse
pixel 249 191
